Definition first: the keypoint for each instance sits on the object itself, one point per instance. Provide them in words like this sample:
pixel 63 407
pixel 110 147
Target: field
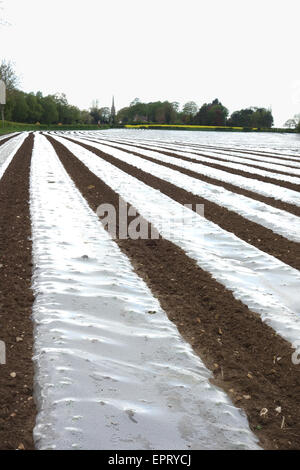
pixel 149 287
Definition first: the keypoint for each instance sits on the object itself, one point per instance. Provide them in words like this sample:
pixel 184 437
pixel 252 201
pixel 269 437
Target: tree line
pixel 54 109
pixel 35 108
pixel 209 114
pixel 51 109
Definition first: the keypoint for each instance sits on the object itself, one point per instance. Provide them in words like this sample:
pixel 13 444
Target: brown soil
pixel 251 232
pixel 249 360
pixel 17 409
pixel 230 187
pixel 3 141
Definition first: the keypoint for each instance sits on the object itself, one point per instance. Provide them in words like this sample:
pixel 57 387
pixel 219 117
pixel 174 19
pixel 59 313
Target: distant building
pixel 113 112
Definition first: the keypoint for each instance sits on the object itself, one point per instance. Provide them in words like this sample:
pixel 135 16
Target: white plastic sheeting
pixel 239 156
pixel 8 151
pixel 279 221
pixel 262 282
pixel 239 166
pixel 110 375
pixel 5 136
pixel 229 156
pixel 267 143
pixel 283 164
pixel 259 187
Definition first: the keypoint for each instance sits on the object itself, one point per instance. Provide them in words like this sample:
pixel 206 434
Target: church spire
pixel 113 111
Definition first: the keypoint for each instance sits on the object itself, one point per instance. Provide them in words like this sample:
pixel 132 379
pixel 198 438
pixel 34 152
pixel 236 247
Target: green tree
pixel 189 110
pixel 10 105
pixel 95 112
pixel 155 112
pixel 241 118
pixel 61 104
pixel 104 115
pixel 138 111
pixel 20 108
pixel 85 117
pixel 175 106
pixel 251 117
pixel 123 116
pixel 211 114
pixel 169 112
pixel 262 118
pixel 50 112
pixel 135 102
pixel 35 109
pixel 73 114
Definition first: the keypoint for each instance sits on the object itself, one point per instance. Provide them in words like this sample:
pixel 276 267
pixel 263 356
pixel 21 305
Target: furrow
pixel 254 276
pixel 285 181
pixel 98 324
pixel 268 165
pixel 8 151
pixel 247 357
pixel 234 188
pixel 17 409
pixel 185 190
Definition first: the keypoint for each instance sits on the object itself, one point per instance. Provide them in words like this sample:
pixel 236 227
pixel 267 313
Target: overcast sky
pixel 244 53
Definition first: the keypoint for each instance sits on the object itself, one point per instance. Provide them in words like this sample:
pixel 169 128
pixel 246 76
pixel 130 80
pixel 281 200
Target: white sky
pixel 244 53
